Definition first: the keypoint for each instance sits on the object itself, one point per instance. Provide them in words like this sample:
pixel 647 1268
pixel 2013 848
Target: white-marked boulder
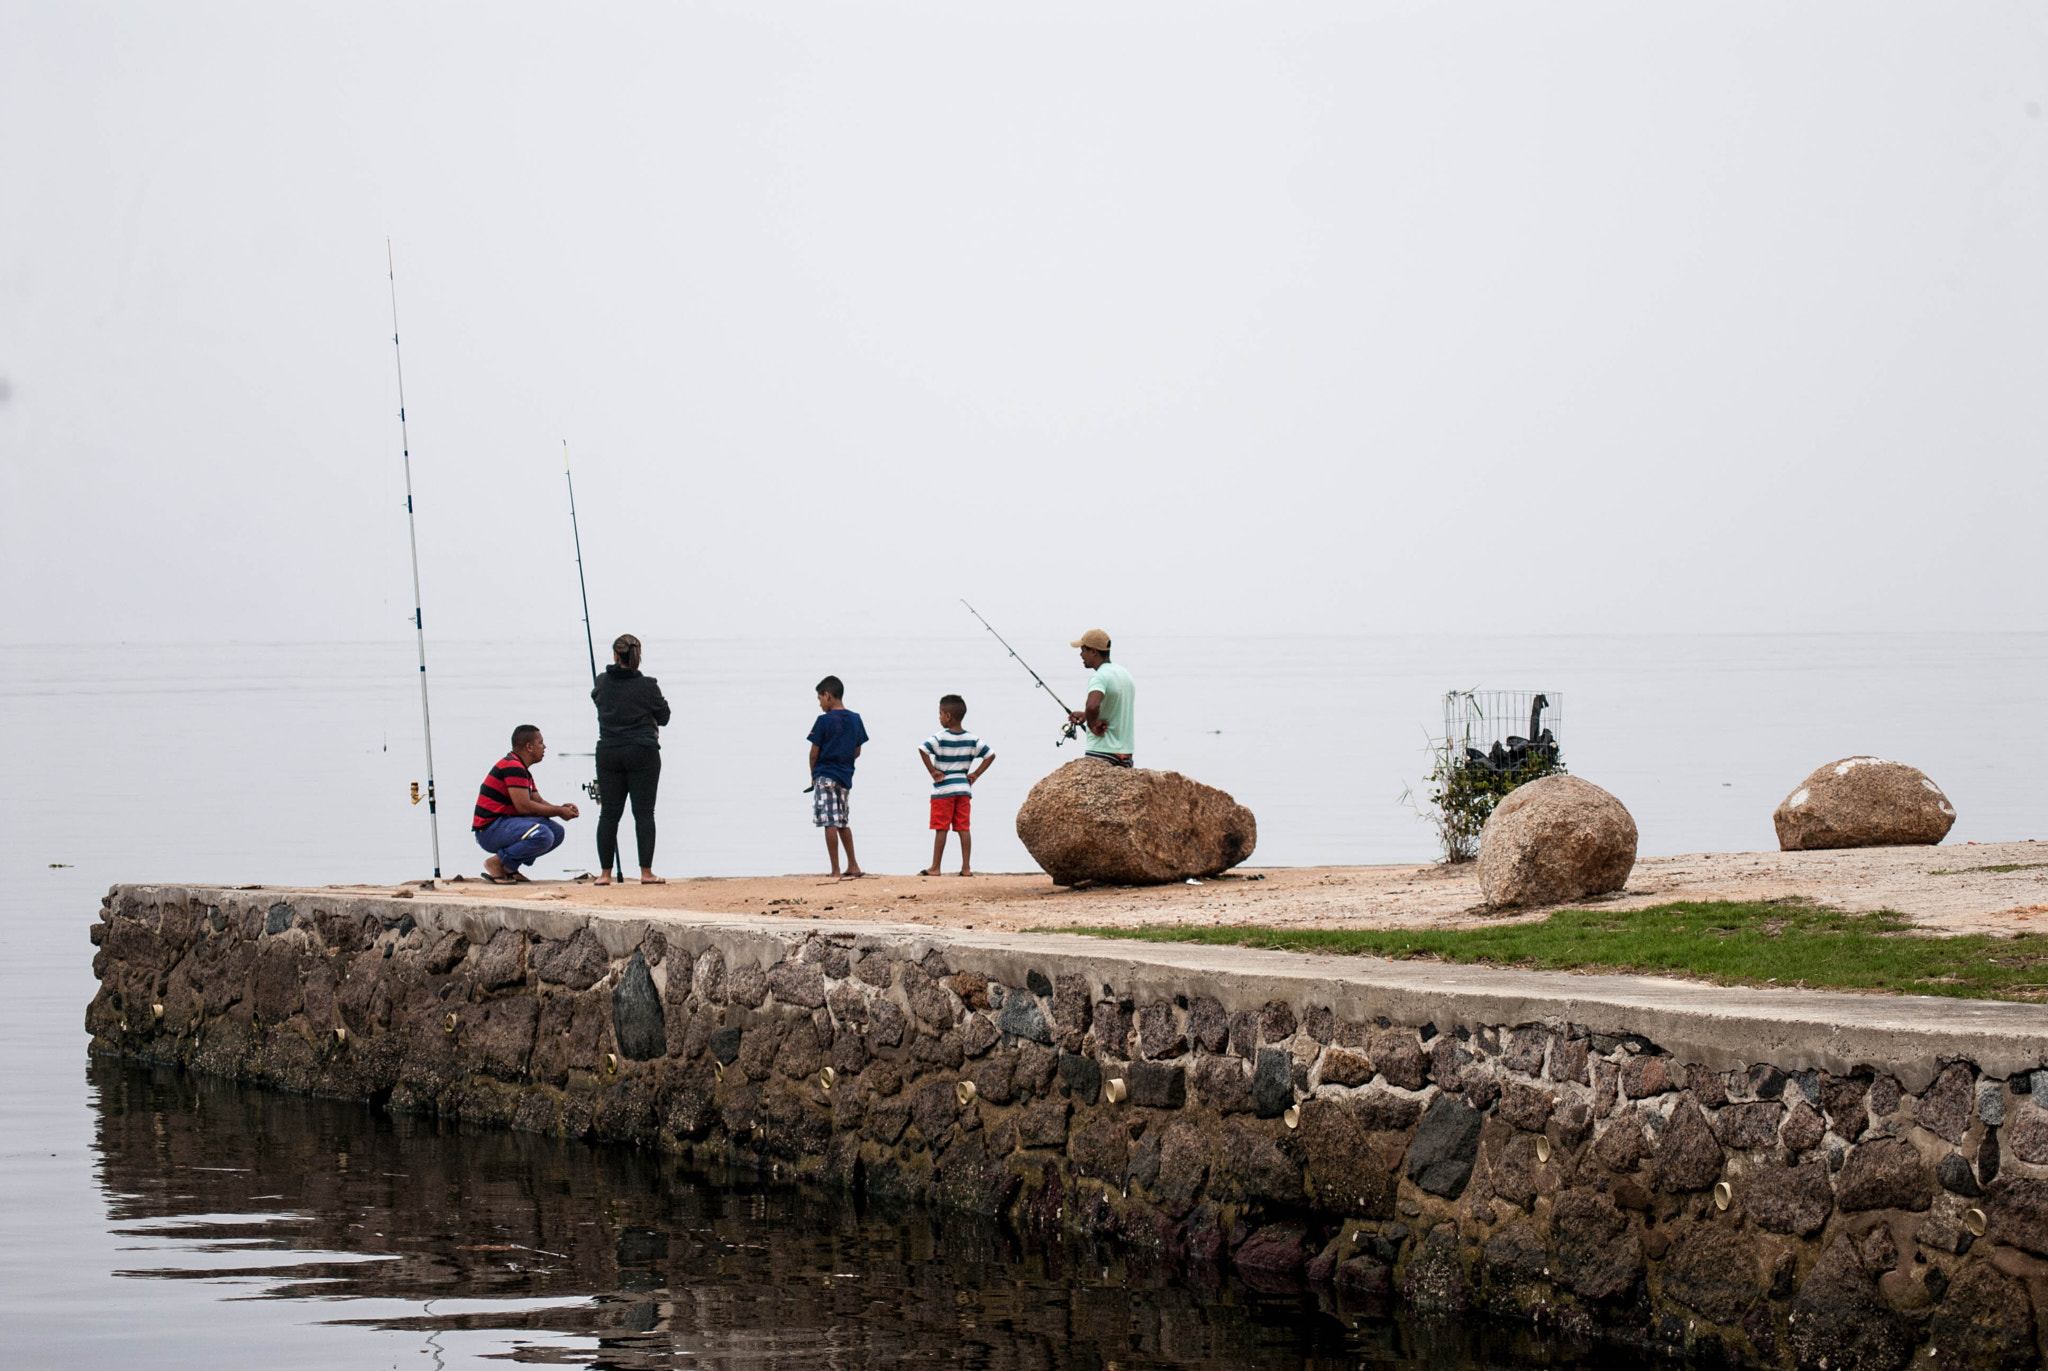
pixel 1090 821
pixel 1555 839
pixel 1863 802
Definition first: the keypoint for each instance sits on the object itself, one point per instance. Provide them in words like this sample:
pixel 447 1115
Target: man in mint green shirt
pixel 1111 700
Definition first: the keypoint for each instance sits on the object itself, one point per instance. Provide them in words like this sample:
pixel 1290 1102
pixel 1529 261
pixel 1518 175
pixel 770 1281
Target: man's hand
pixel 1075 716
pixel 568 811
pixel 1099 727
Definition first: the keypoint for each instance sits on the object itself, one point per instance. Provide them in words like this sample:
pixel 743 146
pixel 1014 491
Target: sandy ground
pixel 1945 888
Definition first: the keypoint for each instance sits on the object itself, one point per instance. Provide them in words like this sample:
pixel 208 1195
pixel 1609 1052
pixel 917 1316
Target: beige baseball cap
pixel 1094 638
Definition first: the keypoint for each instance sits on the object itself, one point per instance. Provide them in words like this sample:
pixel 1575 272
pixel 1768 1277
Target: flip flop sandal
pixel 501 880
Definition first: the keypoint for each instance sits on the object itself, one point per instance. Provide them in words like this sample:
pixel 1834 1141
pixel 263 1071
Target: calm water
pixel 155 1220
pixel 340 1237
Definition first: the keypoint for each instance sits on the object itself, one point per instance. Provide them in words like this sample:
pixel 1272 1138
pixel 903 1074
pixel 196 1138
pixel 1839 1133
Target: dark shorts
pixel 1113 758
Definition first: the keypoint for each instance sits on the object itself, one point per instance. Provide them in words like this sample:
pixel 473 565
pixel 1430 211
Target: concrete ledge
pixel 1722 1027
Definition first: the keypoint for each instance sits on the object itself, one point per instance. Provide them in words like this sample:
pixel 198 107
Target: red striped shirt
pixel 494 797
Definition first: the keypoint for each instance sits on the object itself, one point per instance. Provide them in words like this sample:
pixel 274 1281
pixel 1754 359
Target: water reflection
pixel 543 1251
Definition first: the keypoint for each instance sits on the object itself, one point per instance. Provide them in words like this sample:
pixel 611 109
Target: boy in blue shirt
pixel 835 742
pixel 949 755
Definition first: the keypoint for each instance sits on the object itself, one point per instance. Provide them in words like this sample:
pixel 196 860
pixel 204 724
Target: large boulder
pixel 1554 839
pixel 1863 802
pixel 1090 821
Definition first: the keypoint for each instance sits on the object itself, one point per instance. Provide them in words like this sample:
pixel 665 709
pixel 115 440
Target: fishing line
pixel 413 536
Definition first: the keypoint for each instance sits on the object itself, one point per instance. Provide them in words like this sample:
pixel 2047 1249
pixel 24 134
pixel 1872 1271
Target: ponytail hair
pixel 626 651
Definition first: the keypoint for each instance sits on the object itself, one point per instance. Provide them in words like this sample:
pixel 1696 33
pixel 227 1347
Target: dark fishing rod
pixel 590 787
pixel 577 533
pixel 1070 729
pixel 413 535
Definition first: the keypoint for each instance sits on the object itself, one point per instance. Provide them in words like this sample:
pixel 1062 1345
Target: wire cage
pixel 1502 730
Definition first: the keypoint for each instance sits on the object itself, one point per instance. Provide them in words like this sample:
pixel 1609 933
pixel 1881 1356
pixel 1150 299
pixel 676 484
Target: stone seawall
pixel 1772 1177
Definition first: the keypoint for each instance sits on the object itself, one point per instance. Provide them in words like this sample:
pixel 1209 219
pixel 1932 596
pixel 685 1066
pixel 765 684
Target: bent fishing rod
pixel 590 787
pixel 1071 729
pixel 413 536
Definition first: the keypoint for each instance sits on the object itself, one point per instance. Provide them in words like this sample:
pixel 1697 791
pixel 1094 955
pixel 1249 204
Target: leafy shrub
pixel 1463 792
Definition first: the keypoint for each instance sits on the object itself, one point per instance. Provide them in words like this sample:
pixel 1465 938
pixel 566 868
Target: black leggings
pixel 626 769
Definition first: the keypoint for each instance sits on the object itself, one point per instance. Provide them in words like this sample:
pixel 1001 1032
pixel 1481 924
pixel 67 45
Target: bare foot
pixel 605 879
pixel 854 873
pixel 965 872
pixel 934 871
pixel 495 873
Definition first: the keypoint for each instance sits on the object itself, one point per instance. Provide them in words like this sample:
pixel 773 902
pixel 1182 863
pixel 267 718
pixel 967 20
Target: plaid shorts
pixel 828 804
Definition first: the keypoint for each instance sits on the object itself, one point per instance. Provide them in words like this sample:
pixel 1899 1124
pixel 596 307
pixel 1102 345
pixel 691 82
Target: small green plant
pixel 1462 793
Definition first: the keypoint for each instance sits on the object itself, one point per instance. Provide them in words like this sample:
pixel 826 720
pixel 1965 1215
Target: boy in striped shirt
pixel 948 755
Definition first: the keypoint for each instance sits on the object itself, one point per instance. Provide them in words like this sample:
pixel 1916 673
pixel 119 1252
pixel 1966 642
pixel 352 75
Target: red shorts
pixel 950 812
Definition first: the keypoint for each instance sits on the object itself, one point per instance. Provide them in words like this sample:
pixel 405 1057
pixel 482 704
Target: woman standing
pixel 630 713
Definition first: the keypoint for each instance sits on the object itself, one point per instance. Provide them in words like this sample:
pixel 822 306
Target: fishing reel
pixel 1068 732
pixel 590 789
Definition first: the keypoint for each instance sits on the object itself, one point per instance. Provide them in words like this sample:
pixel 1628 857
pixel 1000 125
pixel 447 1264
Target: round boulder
pixel 1554 839
pixel 1090 821
pixel 1863 802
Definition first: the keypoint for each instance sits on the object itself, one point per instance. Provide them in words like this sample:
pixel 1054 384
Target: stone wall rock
pixel 637 1021
pixel 1863 802
pixel 1557 838
pixel 1839 1319
pixel 1089 821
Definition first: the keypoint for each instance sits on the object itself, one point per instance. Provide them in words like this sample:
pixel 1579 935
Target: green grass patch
pixel 1729 942
pixel 2002 868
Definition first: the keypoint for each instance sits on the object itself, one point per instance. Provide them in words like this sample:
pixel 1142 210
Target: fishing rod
pixel 413 536
pixel 590 787
pixel 577 533
pixel 1071 729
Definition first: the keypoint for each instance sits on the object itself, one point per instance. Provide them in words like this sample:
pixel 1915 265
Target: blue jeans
pixel 518 840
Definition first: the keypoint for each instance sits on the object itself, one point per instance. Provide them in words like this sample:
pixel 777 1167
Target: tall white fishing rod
pixel 413 534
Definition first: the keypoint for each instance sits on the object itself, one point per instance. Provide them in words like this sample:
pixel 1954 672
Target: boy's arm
pixel 924 755
pixel 814 759
pixel 987 761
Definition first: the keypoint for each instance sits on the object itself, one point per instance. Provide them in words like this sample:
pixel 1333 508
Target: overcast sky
pixel 1182 317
